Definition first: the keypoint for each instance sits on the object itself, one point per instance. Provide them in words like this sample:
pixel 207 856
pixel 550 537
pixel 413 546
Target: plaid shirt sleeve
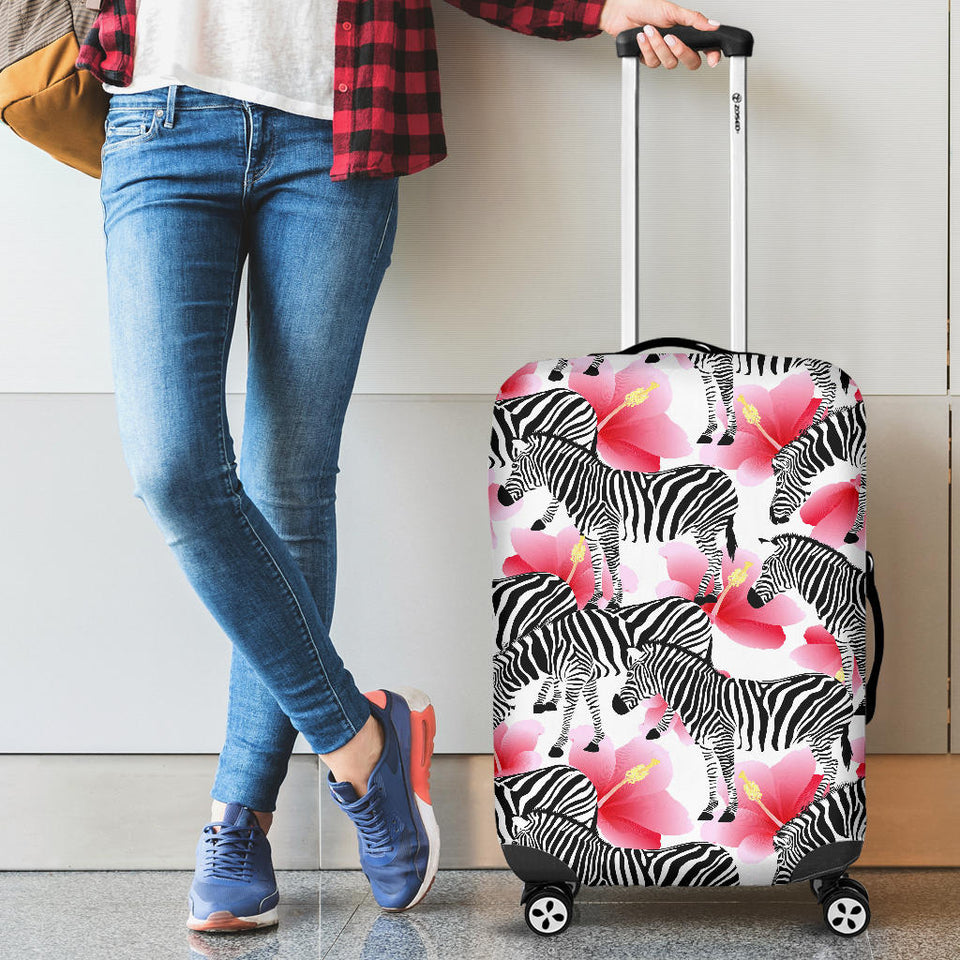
pixel 551 19
pixel 107 49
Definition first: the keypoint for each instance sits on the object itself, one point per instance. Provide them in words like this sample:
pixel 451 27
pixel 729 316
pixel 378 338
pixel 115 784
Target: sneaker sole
pixel 423 728
pixel 223 921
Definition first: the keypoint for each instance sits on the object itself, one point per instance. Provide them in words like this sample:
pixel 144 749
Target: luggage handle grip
pixel 732 41
pixel 870 699
pixel 683 342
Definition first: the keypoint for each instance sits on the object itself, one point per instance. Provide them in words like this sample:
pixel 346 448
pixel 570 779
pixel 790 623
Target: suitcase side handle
pixel 874 598
pixel 683 342
pixel 732 41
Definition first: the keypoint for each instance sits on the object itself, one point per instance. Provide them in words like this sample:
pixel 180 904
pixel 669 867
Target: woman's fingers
pixel 689 58
pixel 658 46
pixel 670 52
pixel 649 57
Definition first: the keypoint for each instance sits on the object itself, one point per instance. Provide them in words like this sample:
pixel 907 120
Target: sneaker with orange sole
pixel 397 833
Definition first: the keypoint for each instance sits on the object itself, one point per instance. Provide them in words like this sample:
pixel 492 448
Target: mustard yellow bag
pixel 44 98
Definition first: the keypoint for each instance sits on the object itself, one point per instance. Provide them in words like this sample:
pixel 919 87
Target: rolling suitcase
pixel 679 602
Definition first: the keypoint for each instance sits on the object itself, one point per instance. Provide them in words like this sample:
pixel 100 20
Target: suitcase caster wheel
pixel 846 908
pixel 855 885
pixel 821 886
pixel 549 911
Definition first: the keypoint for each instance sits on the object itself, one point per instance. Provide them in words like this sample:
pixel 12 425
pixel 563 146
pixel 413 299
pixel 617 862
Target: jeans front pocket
pixel 126 126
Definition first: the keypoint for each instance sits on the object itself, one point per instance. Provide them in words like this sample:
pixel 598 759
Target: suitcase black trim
pixel 535 866
pixel 833 858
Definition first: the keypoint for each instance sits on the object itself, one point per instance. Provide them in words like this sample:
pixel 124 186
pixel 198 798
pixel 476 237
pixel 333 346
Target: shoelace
pixel 227 851
pixel 372 826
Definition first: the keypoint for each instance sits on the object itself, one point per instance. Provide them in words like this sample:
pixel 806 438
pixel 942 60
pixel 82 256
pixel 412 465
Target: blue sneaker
pixel 234 886
pixel 397 833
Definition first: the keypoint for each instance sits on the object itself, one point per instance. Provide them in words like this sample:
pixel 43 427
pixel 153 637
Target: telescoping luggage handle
pixel 736 45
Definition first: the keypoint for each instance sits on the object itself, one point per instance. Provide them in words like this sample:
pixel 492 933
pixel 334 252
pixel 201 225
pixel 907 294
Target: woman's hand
pixel 620 15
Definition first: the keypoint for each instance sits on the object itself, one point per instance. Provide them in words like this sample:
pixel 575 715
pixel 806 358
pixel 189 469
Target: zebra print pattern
pixel 571 652
pixel 608 505
pixel 562 412
pixel 561 789
pixel 830 583
pixel 674 620
pixel 717 371
pixel 841 437
pixel 598 863
pixel 590 371
pixel 840 815
pixel 723 713
pixel 560 664
pixel 529 600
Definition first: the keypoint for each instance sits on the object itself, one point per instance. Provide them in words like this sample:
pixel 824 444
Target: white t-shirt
pixel 277 54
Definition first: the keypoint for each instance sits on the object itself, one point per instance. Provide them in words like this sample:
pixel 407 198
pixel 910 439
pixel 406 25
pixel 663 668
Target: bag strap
pixel 874 598
pixel 647 345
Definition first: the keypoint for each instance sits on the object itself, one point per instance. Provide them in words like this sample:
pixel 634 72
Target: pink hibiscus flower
pixel 821 653
pixel 523 381
pixel 831 511
pixel 784 412
pixel 514 747
pixel 632 435
pixel 538 551
pixel 761 628
pixel 632 811
pixel 785 789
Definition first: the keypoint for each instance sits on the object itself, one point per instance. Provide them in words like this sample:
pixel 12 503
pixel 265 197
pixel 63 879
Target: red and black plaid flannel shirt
pixel 386 82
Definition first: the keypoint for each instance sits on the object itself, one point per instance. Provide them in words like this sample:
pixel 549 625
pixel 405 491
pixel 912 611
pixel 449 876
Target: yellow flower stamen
pixel 736 579
pixel 633 775
pixel 577 552
pixel 752 416
pixel 633 399
pixel 752 789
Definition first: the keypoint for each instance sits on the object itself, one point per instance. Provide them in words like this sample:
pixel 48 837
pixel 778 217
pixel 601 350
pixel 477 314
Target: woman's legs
pixel 318 253
pixel 180 213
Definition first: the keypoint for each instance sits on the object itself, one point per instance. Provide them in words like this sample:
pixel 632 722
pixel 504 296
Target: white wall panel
pixel 847 192
pixel 908 534
pixel 106 648
pixel 954 204
pixel 128 812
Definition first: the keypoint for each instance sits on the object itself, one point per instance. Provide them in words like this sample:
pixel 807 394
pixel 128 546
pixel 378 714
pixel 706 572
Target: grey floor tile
pixel 330 915
pixel 341 893
pixel 476 914
pixel 119 914
pixel 915 914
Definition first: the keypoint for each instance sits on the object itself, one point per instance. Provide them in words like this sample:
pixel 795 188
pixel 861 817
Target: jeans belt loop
pixel 171 104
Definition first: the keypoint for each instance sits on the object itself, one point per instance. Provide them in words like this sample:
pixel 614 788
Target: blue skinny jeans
pixel 193 184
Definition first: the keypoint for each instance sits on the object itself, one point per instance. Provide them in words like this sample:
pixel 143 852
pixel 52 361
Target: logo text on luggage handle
pixel 736 111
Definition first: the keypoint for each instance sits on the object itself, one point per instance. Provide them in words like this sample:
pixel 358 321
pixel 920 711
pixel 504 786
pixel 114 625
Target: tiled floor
pixel 471 914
